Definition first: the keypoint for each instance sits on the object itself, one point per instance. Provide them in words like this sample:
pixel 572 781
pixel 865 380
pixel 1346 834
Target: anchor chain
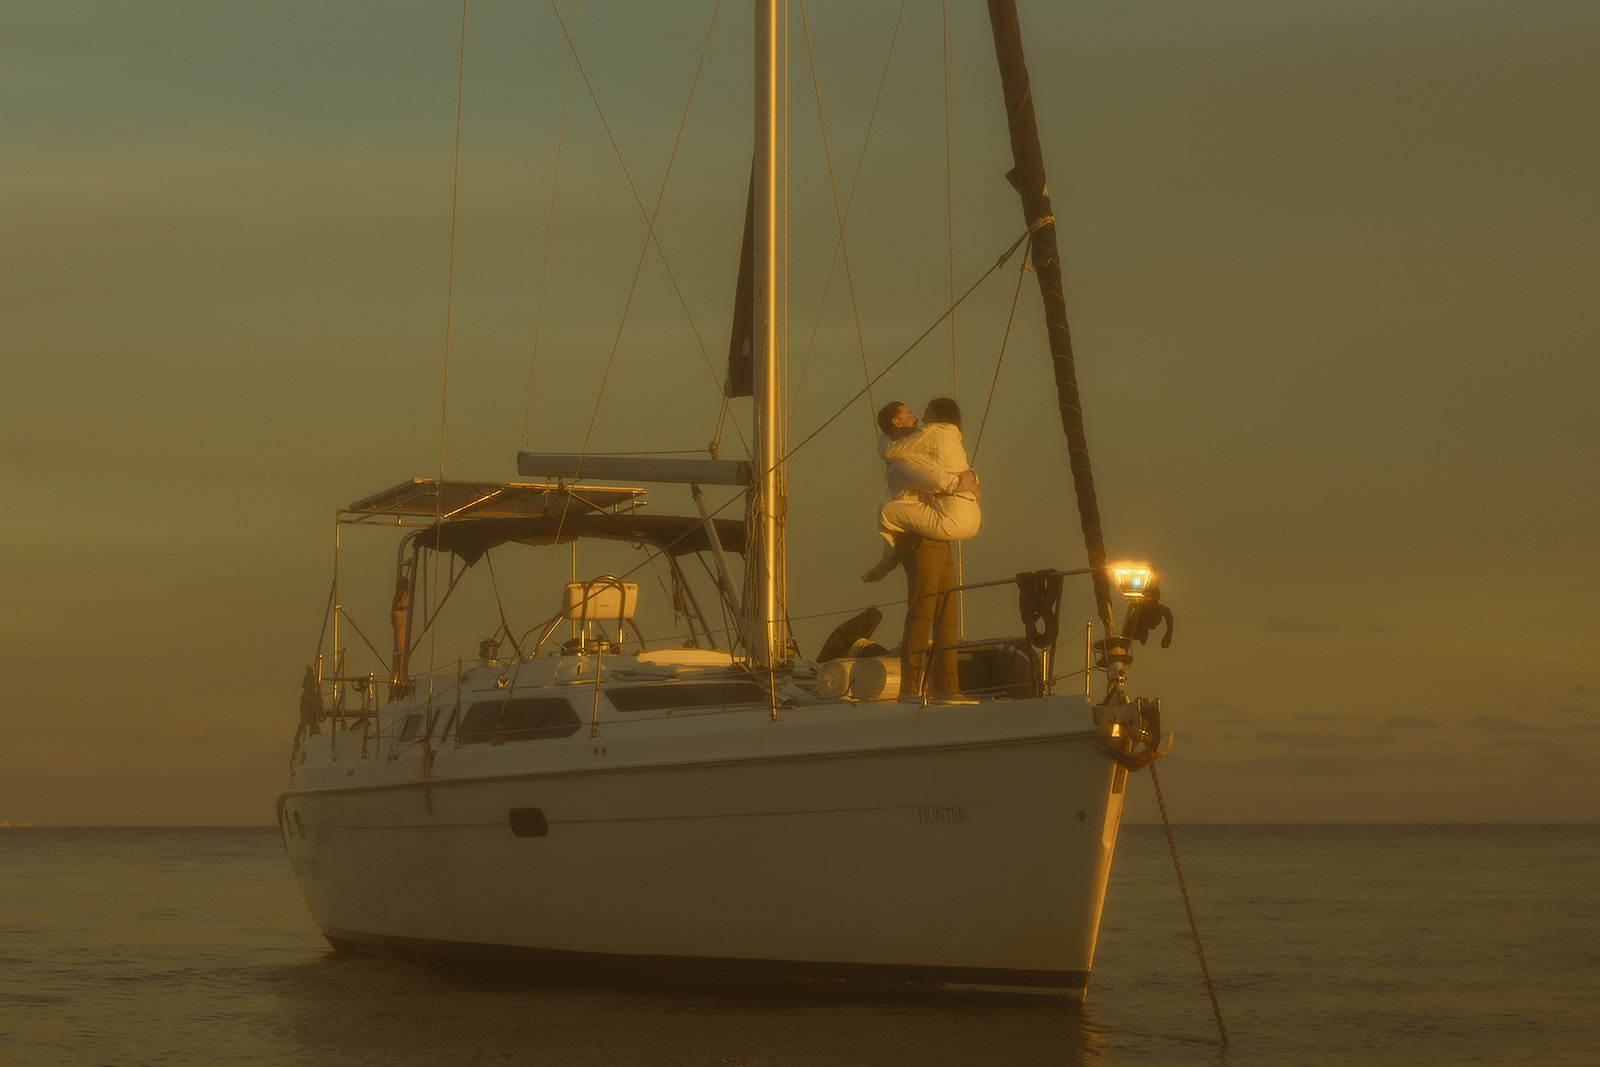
pixel 1183 888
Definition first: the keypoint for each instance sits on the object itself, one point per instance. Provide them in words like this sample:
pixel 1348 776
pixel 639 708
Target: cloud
pixel 1232 712
pixel 1410 722
pixel 1314 740
pixel 1301 626
pixel 14 662
pixel 1323 716
pixel 1583 691
pixel 141 734
pixel 1572 709
pixel 231 734
pixel 1497 722
pixel 1523 746
pixel 86 731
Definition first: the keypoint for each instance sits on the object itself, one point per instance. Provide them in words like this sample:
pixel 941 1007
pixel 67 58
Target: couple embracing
pixel 933 500
pixel 933 493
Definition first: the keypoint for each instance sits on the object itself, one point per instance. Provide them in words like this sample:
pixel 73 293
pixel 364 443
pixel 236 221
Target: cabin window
pixel 518 719
pixel 412 724
pixel 528 822
pixel 687 695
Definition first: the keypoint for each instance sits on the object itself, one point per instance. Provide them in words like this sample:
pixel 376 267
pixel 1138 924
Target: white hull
pixel 676 810
pixel 959 847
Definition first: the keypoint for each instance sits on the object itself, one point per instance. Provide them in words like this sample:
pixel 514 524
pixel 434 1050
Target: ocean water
pixel 1328 945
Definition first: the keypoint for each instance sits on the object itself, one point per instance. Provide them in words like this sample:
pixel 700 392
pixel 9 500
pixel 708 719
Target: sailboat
pixel 589 798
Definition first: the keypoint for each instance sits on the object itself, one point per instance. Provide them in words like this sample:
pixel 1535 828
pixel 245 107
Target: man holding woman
pixel 933 501
pixel 933 492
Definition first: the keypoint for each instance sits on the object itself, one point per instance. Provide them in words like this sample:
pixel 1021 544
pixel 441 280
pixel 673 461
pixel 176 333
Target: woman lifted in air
pixel 933 491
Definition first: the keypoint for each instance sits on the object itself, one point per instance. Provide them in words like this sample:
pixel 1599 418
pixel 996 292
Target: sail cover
pixel 426 498
pixel 673 534
pixel 741 368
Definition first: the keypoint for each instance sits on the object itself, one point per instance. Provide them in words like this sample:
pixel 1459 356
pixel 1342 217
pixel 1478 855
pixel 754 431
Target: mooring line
pixel 1194 927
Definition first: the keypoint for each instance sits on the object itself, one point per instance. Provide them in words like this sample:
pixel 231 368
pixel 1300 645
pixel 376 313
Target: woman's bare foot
pixel 881 570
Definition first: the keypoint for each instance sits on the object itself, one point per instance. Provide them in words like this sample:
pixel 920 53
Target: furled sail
pixel 741 374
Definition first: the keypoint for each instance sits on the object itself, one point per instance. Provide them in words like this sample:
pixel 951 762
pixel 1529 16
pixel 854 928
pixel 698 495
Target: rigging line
pixel 742 497
pixel 854 610
pixel 382 659
pixel 650 238
pixel 722 421
pixel 780 599
pixel 783 344
pixel 327 613
pixel 438 610
pixel 549 230
pixel 654 452
pixel 449 311
pixel 666 593
pixel 494 583
pixel 649 561
pixel 855 182
pixel 789 453
pixel 977 441
pixel 950 267
pixel 911 347
pixel 833 187
pixel 649 217
pixel 949 194
pixel 1183 887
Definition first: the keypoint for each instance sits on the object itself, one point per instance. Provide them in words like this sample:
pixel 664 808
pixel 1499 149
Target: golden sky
pixel 1330 272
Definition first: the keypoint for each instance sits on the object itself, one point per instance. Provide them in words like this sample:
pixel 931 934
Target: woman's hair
pixel 886 416
pixel 943 409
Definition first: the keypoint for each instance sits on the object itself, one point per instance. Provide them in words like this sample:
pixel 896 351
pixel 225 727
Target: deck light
pixel 1133 579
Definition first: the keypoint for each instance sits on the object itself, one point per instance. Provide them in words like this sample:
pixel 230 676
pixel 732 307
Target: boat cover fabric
pixel 426 497
pixel 674 534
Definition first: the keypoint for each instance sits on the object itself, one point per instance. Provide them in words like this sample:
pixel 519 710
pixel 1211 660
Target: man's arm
pixel 915 447
pixel 910 466
pixel 914 467
pixel 927 479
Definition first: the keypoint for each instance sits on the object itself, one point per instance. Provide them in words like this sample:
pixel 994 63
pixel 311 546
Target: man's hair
pixel 886 416
pixel 943 409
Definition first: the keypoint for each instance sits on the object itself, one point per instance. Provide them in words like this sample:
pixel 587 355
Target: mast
pixel 1027 177
pixel 762 608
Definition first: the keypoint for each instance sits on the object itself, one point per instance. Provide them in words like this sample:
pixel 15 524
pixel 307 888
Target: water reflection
pixel 368 1010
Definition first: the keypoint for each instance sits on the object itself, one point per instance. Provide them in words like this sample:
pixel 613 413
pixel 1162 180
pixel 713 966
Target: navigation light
pixel 1133 579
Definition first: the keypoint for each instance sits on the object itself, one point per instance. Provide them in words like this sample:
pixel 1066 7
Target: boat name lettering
pixel 944 814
